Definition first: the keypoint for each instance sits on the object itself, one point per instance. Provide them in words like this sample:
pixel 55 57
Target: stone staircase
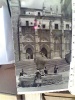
pixel 30 67
pixel 61 64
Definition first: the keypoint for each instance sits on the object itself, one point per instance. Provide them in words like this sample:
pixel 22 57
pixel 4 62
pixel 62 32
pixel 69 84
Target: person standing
pixel 45 71
pixel 55 69
pixel 22 73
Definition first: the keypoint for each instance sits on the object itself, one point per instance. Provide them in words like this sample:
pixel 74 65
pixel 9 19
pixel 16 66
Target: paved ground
pixel 61 85
pixel 30 68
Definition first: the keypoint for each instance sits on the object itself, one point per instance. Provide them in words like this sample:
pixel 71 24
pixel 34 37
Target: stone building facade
pixel 37 30
pixel 45 32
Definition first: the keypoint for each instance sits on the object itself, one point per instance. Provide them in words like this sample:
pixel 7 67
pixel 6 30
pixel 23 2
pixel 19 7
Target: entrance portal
pixel 29 53
pixel 44 51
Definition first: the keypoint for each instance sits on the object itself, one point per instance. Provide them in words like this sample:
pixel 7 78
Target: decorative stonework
pixel 25 36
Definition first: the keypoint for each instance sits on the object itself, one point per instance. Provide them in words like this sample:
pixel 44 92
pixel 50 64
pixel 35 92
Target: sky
pixel 39 3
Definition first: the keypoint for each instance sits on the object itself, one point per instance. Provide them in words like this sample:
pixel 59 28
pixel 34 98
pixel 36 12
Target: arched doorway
pixel 29 53
pixel 44 51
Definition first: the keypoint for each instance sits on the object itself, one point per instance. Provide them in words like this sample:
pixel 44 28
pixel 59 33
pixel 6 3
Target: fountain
pixel 39 79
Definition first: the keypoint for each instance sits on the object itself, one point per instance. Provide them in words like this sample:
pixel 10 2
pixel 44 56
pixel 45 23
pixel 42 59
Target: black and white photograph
pixel 42 32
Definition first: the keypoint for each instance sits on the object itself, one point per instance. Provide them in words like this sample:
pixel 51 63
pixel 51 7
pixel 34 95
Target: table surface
pixel 47 96
pixel 64 95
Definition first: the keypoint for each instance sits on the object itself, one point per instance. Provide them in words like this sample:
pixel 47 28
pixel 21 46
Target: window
pixel 67 26
pixel 56 26
pixel 27 23
pixel 43 26
pixel 31 23
pixel 38 25
pixel 38 13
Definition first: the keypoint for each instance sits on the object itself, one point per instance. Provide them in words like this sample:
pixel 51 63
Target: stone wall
pixel 15 11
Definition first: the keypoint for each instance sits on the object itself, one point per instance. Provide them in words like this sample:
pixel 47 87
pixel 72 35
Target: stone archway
pixel 44 51
pixel 29 53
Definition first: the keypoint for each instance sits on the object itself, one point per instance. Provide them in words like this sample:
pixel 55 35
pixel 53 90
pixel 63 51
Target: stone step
pixel 30 66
